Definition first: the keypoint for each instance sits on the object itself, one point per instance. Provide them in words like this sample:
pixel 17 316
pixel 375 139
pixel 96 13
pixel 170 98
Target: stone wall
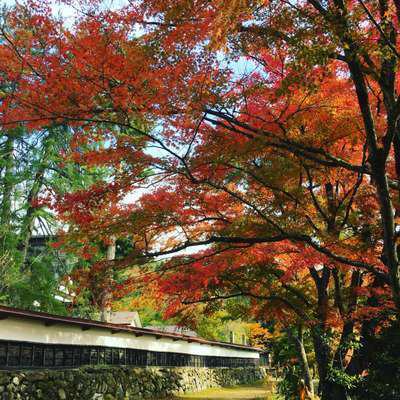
pixel 119 383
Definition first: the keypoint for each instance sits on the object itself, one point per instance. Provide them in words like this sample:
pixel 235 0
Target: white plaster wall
pixel 38 332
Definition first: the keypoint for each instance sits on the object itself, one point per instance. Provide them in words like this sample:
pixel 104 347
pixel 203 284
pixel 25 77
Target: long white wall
pixel 36 331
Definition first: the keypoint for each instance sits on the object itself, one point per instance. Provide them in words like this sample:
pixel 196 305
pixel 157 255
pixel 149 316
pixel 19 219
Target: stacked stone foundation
pixel 119 383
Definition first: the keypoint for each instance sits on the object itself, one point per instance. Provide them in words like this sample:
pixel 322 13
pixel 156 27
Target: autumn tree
pixel 300 151
pixel 32 163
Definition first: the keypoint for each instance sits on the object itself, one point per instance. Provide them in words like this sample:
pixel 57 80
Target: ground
pixel 253 392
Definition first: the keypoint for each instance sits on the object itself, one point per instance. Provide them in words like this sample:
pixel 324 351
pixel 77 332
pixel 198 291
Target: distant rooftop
pixel 180 330
pixel 130 318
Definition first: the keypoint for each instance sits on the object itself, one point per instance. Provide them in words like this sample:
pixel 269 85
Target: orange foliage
pixel 283 178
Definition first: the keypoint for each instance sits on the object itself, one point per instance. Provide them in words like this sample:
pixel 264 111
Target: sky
pixel 68 12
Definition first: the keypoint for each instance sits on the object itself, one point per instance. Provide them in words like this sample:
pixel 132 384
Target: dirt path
pixel 261 392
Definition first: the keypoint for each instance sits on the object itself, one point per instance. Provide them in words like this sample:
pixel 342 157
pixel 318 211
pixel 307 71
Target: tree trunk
pixel 361 358
pixel 327 389
pixel 377 159
pixel 8 181
pixel 106 295
pixel 303 359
